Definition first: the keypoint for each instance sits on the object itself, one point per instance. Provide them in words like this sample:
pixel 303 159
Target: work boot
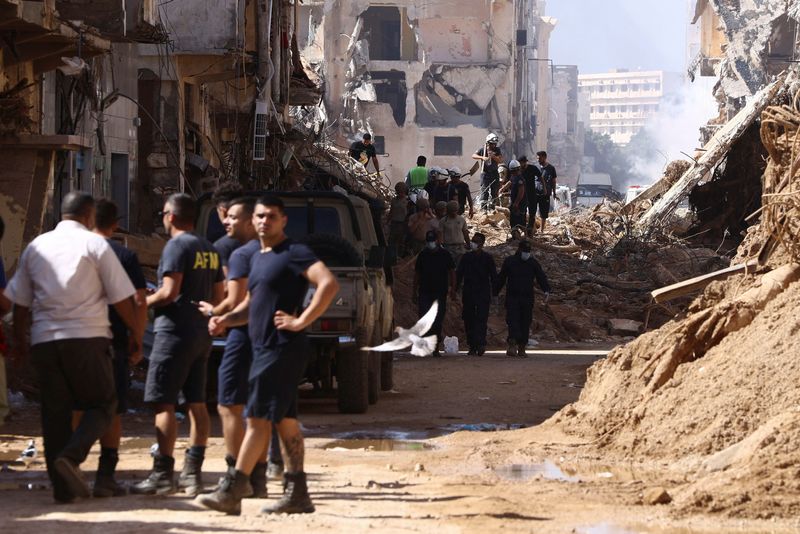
pixel 472 352
pixel 104 483
pixel 161 480
pixel 295 499
pixel 274 469
pixel 258 481
pixel 228 497
pixel 72 476
pixel 481 351
pixel 230 461
pixel 191 478
pixel 512 350
pixel 521 353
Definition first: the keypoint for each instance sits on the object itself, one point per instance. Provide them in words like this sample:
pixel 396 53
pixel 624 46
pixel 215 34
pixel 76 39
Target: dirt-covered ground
pixel 530 480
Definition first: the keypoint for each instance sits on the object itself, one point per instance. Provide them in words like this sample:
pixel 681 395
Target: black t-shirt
pixel 490 167
pixel 533 181
pixel 517 186
pixel 276 283
pixel 438 194
pixel 520 276
pixel 476 272
pixel 225 245
pixel 549 176
pixel 433 268
pixel 458 191
pixel 361 152
pixel 130 262
pixel 199 262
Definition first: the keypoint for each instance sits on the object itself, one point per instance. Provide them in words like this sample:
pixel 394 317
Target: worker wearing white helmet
pixel 437 186
pixel 458 190
pixel 490 156
pixel 515 186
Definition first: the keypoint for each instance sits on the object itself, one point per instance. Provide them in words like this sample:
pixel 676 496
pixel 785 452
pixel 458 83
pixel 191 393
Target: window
pixel 448 146
pixel 389 34
pixel 612 109
pixel 390 88
pixel 624 88
pixel 623 109
pixel 324 220
pixel 380 145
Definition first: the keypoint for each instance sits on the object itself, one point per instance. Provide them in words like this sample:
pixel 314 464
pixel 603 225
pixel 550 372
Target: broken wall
pixel 204 26
pixel 566 137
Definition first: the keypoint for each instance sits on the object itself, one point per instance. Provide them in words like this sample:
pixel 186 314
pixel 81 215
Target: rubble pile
pixel 714 391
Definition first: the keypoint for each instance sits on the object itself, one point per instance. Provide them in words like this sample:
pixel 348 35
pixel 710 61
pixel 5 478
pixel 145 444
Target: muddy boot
pixel 521 352
pixel 104 483
pixel 512 350
pixel 274 469
pixel 191 478
pixel 295 499
pixel 228 497
pixel 258 481
pixel 161 480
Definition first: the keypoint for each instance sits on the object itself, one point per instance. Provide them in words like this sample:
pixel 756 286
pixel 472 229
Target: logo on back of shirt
pixel 206 260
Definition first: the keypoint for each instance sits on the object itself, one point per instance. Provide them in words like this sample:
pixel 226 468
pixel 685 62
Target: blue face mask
pixel 525 255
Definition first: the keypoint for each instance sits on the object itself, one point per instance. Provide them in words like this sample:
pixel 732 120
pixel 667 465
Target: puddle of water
pixel 381 435
pixel 378 445
pixel 482 427
pixel 546 470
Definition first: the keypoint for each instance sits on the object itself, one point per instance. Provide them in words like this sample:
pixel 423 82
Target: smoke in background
pixel 675 129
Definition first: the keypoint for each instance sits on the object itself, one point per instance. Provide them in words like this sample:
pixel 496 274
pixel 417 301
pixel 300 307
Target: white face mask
pixel 431 245
pixel 524 255
pixel 473 245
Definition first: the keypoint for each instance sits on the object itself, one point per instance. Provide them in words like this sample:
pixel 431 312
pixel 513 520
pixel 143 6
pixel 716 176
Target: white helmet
pixel 513 165
pixel 454 171
pixel 492 138
pixel 433 173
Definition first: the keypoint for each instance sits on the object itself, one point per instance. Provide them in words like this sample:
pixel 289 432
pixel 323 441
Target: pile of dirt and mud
pixel 713 393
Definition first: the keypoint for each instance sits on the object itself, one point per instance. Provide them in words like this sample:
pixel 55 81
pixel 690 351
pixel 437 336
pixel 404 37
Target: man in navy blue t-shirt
pixel 280 273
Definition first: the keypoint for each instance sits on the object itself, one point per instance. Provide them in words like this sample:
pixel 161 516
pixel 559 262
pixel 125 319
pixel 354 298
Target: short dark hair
pixel 522 159
pixel 225 192
pixel 367 137
pixel 479 238
pixel 77 204
pixel 525 246
pixel 106 214
pixel 421 161
pixel 271 201
pixel 542 153
pixel 248 204
pixel 183 208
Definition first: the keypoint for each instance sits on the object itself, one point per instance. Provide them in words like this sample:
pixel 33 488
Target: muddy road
pixel 428 457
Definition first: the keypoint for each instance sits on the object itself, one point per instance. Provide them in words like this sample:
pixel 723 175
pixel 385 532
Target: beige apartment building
pixel 621 102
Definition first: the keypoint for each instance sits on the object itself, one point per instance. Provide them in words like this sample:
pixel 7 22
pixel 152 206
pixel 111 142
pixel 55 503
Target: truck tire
pixel 334 251
pixel 352 379
pixel 374 379
pixel 387 371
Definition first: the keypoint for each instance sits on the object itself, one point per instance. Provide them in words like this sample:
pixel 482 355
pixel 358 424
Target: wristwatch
pixel 210 314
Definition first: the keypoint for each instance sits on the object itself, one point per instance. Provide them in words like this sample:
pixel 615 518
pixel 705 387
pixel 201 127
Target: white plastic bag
pixel 451 345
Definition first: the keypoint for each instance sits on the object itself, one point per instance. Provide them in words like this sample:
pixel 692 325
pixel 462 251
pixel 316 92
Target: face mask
pixel 524 255
pixel 431 245
pixel 473 245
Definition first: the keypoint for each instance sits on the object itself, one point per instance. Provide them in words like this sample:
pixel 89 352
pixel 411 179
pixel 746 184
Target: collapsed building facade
pixel 567 133
pixel 432 78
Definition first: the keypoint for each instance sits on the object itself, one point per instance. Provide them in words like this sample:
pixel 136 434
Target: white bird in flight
pixel 412 337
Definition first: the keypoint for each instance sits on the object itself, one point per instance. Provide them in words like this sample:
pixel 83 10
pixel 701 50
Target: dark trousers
pixel 518 215
pixel 475 314
pixel 74 374
pixel 519 315
pixel 490 185
pixel 425 302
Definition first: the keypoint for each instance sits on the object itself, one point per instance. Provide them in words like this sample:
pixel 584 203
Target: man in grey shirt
pixel 65 281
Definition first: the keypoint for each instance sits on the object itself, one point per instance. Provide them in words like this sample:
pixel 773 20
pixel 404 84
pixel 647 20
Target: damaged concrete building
pixel 567 127
pixel 432 78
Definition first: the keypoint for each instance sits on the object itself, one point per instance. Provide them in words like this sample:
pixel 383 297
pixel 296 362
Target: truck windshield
pixel 325 221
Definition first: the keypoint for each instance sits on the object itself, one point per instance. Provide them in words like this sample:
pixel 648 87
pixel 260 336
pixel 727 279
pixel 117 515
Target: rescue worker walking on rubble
pixel 280 273
pixel 459 191
pixel 417 177
pixel 477 274
pixel 520 271
pixel 189 272
pixel 491 156
pixel 398 215
pixel 548 187
pixel 532 176
pixel 63 284
pixel 438 189
pixel 364 151
pixel 453 229
pixel 419 224
pixel 434 278
pixel 518 199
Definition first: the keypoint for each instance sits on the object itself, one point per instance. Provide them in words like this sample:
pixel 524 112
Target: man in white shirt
pixel 65 281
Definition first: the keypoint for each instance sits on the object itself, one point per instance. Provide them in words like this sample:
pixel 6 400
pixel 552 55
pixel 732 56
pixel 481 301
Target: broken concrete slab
pixel 624 327
pixel 478 84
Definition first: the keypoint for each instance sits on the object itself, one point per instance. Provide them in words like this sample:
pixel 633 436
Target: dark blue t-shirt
pixel 276 283
pixel 225 245
pixel 130 262
pixel 239 262
pixel 199 262
pixel 517 187
pixel 2 275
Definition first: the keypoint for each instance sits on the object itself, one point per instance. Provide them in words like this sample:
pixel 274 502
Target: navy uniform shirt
pixel 130 262
pixel 225 245
pixel 276 283
pixel 521 275
pixel 239 266
pixel 477 272
pixel 199 262
pixel 433 268
pixel 517 187
pixel 549 176
pixel 533 182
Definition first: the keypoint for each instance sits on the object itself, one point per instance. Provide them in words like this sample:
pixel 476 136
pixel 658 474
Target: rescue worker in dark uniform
pixel 477 274
pixel 434 277
pixel 520 270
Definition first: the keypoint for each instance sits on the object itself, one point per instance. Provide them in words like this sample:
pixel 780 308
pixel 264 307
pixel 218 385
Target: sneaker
pixel 72 476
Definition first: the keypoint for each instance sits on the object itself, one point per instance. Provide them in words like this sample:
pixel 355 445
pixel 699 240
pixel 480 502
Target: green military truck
pixel 344 231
